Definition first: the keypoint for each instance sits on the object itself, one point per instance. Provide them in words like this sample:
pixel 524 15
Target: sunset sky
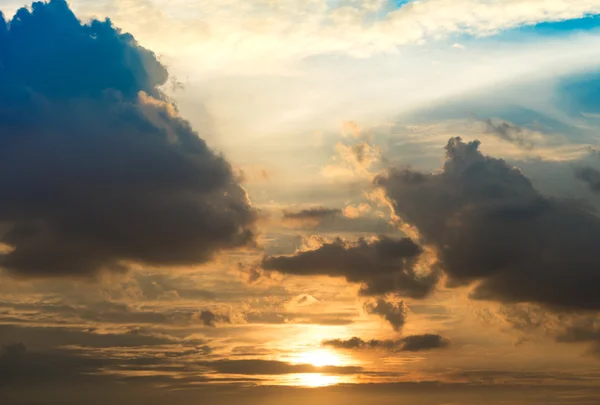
pixel 268 202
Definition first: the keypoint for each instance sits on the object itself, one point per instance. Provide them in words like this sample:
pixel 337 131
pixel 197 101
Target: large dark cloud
pixel 382 266
pixel 95 167
pixel 413 343
pixel 490 225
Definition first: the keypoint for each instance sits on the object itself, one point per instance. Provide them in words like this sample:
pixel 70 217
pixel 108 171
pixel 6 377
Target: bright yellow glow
pixel 316 380
pixel 319 358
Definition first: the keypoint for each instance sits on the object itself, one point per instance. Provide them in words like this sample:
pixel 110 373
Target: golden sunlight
pixel 316 380
pixel 312 380
pixel 319 358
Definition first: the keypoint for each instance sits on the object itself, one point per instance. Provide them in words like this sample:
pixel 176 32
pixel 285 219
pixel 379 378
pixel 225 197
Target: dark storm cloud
pixel 382 266
pixel 509 132
pixel 393 312
pixel 590 176
pixel 489 224
pixel 273 367
pixel 414 343
pixel 95 169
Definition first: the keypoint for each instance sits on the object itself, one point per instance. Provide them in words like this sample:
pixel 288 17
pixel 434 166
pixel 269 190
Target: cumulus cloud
pixel 491 226
pixel 393 312
pixel 96 168
pixel 381 266
pixel 414 343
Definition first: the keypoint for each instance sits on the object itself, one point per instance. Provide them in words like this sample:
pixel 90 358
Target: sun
pixel 319 358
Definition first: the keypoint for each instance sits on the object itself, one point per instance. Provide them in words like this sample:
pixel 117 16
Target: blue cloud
pixel 91 174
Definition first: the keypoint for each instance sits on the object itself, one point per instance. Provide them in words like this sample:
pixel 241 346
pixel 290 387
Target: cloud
pixel 509 132
pixel 353 212
pixel 491 226
pixel 582 332
pixel 353 161
pixel 358 28
pixel 40 337
pixel 274 367
pixel 18 366
pixel 96 167
pixel 381 266
pixel 590 176
pixel 302 318
pixel 335 220
pixel 414 343
pixel 310 216
pixel 209 318
pixel 392 312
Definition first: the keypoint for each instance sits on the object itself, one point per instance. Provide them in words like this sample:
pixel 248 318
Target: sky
pixel 300 201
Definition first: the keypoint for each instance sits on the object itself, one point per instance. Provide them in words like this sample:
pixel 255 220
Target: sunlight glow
pixel 319 358
pixel 316 380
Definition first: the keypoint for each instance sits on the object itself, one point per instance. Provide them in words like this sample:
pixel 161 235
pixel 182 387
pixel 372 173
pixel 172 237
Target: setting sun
pixel 319 358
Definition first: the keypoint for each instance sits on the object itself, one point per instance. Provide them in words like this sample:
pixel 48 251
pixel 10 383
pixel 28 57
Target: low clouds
pixel 491 226
pixel 96 169
pixel 590 176
pixel 310 216
pixel 393 312
pixel 414 343
pixel 381 266
pixel 335 220
pixel 20 367
pixel 274 367
pixel 584 332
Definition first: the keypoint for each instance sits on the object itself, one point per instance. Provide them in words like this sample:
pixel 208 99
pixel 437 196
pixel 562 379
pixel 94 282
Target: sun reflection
pixel 313 380
pixel 316 380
